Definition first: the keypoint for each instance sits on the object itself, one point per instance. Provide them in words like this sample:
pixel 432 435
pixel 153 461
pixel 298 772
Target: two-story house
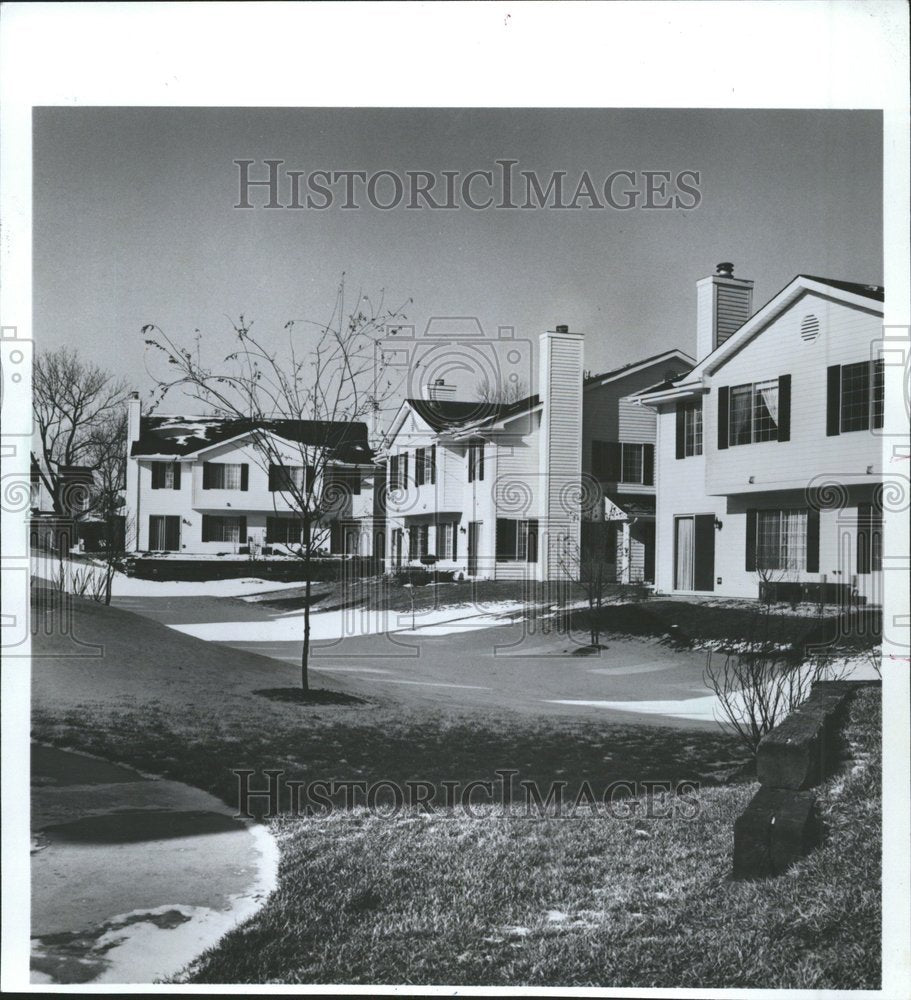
pixel 203 484
pixel 490 490
pixel 618 464
pixel 769 460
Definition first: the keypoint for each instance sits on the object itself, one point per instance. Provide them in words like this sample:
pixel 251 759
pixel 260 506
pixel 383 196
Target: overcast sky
pixel 134 221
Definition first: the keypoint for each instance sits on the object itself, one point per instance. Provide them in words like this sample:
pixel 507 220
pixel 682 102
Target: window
pixel 632 463
pixel 394 483
pixel 419 467
pixel 689 429
pixel 517 541
pixel 294 479
pixel 164 533
pixel 417 540
pixel 221 476
pixel 447 535
pixel 232 530
pixel 432 465
pixel 781 539
pixel 347 482
pixel 855 397
pixel 284 531
pixel 165 475
pixel 618 462
pixel 754 412
pixel 475 461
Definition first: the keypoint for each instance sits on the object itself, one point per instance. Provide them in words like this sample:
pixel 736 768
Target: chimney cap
pixel 725 269
pixel 562 328
pixel 134 394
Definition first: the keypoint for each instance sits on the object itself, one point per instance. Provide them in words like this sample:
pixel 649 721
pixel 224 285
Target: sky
pixel 134 223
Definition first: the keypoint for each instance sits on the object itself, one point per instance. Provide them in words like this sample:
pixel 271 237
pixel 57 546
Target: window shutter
pixel 455 539
pixel 480 460
pixel 405 469
pixel 681 430
pixel 833 400
pixel 433 464
pixel 309 478
pixel 177 475
pixel 206 479
pixel 243 528
pixel 784 407
pixel 157 476
pixel 648 465
pixel 879 390
pixel 245 476
pixel 614 466
pixel 273 478
pixel 864 524
pixel 207 527
pixel 751 541
pixel 723 403
pixel 812 540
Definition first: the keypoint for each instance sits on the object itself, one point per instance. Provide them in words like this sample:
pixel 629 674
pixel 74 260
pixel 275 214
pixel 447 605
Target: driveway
pixel 460 657
pixel 132 878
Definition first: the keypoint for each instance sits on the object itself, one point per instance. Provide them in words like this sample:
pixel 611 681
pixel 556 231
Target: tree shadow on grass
pixel 296 696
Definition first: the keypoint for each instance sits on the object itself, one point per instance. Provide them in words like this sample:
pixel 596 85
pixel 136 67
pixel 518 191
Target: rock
pixel 779 826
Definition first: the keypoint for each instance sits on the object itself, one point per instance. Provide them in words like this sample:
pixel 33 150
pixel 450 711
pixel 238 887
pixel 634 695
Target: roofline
pixel 597 380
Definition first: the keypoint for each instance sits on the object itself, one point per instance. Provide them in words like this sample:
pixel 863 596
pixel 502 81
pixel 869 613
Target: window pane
pixel 768 540
pixel 741 401
pixel 879 388
pixel 692 427
pixel 765 411
pixel 793 539
pixel 521 540
pixel 632 463
pixel 855 397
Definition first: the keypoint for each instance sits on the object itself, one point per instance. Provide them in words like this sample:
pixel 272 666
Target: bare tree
pixel 73 402
pixel 299 406
pixel 500 390
pixel 590 565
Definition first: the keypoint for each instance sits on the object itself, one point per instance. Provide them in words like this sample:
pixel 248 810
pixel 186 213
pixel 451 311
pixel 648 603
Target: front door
pixel 694 552
pixel 474 531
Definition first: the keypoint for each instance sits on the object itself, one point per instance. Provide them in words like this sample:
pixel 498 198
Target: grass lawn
pixel 572 902
pixel 450 899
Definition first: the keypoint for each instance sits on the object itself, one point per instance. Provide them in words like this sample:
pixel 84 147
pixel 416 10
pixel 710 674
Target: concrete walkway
pixel 133 877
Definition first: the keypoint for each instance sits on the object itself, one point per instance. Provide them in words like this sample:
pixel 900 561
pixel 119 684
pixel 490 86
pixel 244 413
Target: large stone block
pixel 779 826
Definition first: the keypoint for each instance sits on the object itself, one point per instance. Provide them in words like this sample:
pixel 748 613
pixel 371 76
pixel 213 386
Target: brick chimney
pixel 723 304
pixel 560 361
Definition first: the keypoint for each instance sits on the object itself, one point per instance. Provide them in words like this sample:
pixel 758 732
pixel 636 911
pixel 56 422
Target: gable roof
pixel 186 435
pixel 849 292
pixel 440 414
pixel 632 366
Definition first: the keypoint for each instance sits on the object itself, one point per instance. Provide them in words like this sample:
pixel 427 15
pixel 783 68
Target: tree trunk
pixel 305 652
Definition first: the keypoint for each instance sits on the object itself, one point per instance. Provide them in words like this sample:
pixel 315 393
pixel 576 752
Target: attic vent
pixel 809 328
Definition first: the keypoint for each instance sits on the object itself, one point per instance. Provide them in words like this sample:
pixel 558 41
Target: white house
pixel 200 484
pixel 769 460
pixel 490 490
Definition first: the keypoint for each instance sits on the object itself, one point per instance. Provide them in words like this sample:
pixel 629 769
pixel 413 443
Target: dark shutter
pixel 506 538
pixel 864 526
pixel 157 475
pixel 207 527
pixel 433 464
pixel 751 541
pixel 648 465
pixel 206 478
pixel 172 533
pixel 613 465
pixel 243 528
pixel 704 552
pixel 681 430
pixel 833 400
pixel 273 478
pixel 723 403
pixel 532 554
pixel 812 540
pixel 404 461
pixel 455 538
pixel 480 461
pixel 879 390
pixel 245 476
pixel 177 475
pixel 784 407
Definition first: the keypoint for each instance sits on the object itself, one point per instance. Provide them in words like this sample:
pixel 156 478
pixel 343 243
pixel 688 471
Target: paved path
pixel 460 659
pixel 132 878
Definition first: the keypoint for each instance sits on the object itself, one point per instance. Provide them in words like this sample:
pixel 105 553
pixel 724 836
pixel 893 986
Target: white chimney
pixel 134 412
pixel 560 360
pixel 723 304
pixel 440 390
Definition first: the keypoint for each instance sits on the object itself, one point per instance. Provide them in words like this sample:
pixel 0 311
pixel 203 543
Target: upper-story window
pixel 166 475
pixel 398 471
pixel 855 397
pixel 225 476
pixel 475 461
pixel 754 412
pixel 689 428
pixel 624 462
pixel 425 461
pixel 291 478
pixel 346 480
